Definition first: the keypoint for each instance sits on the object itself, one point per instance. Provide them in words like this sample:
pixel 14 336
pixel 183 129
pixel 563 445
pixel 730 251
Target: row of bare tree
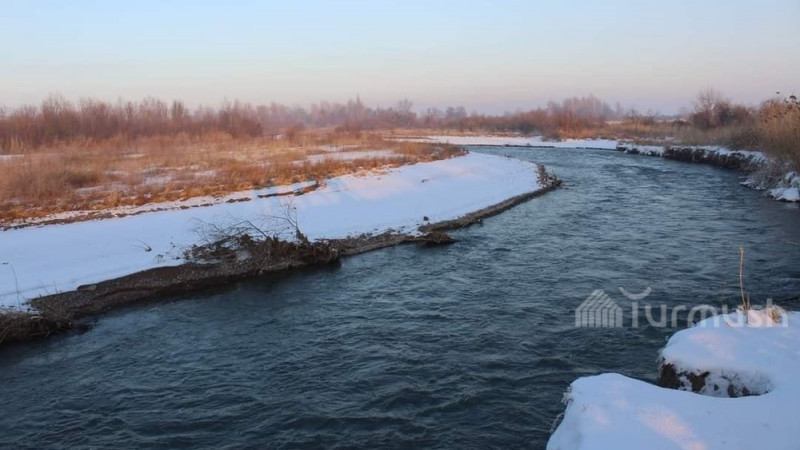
pixel 60 120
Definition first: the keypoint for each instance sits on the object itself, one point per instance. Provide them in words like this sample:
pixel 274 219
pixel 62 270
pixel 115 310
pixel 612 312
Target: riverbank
pixel 479 334
pixel 741 160
pixel 729 382
pixel 99 265
pixel 777 181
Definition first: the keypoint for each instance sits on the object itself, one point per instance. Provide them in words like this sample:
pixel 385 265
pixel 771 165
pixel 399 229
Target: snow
pixel 601 144
pixel 648 150
pixel 532 141
pixel 48 259
pixel 658 150
pixel 614 411
pixel 791 194
pixel 192 202
pixel 753 155
pixel 788 189
pixel 352 155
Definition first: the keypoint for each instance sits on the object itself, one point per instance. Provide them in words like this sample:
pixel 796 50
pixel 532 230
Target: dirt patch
pixel 671 378
pixel 216 264
pixel 697 381
pixel 302 191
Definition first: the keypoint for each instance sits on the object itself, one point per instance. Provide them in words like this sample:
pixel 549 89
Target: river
pixel 466 346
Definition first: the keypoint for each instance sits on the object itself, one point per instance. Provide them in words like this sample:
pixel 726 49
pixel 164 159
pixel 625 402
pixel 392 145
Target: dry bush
pixel 779 130
pixel 16 326
pixel 731 136
pixel 713 110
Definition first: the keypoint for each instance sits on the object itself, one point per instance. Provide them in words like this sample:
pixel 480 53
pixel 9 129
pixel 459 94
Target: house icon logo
pixel 598 311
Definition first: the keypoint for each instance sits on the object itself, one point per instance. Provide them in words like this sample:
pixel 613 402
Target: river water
pixel 466 346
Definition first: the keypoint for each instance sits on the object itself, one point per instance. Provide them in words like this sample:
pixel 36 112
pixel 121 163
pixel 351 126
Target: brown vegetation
pixel 94 155
pixel 59 158
pixel 58 120
pixel 18 325
pixel 573 117
pixel 773 127
pixel 779 129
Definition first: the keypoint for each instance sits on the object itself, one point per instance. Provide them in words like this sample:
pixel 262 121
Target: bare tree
pixel 710 109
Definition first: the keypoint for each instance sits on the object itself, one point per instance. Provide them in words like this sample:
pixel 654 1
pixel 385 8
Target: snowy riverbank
pixel 520 141
pixel 780 184
pixel 56 258
pixel 717 359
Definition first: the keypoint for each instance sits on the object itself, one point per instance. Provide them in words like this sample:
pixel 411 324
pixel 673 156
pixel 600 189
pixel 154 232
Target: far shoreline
pixel 764 173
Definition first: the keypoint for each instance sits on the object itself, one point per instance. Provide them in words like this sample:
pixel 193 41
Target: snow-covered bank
pixel 742 160
pixel 739 159
pixel 788 189
pixel 132 210
pixel 784 186
pixel 521 141
pixel 778 184
pixel 56 258
pixel 760 357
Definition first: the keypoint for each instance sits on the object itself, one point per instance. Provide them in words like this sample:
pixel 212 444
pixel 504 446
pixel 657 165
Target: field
pixel 93 176
pixel 63 158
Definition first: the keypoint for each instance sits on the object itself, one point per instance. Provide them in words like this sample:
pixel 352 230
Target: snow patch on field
pixel 532 141
pixel 49 259
pixel 614 411
pixel 352 155
pixel 193 202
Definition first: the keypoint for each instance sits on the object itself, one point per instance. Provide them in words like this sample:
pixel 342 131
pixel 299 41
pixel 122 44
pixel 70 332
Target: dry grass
pixel 779 131
pixel 90 175
pixel 18 325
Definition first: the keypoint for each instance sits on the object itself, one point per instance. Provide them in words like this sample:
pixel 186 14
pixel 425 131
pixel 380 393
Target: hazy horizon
pixel 488 57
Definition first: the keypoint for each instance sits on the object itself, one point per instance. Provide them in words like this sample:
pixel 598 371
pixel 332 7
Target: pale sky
pixel 489 56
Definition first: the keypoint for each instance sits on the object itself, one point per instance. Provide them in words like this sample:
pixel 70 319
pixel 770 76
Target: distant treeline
pixel 59 120
pixel 774 126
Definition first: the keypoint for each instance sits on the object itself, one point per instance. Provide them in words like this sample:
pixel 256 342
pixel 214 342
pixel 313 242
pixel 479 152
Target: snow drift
pixel 759 356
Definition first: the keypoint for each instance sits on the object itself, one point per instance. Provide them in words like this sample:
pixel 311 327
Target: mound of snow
pixel 791 194
pixel 788 189
pixel 614 411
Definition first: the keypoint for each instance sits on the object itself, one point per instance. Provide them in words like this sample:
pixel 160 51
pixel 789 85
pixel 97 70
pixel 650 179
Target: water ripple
pixel 468 346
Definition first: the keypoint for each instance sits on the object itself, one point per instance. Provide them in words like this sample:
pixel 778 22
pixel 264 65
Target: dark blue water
pixel 465 346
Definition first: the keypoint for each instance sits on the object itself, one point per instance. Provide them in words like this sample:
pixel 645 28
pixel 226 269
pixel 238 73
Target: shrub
pixel 779 130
